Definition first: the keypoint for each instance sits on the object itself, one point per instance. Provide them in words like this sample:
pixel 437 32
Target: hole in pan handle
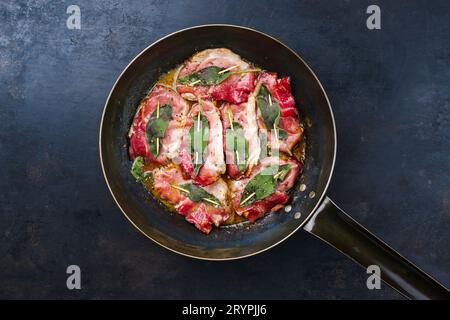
pixel 332 225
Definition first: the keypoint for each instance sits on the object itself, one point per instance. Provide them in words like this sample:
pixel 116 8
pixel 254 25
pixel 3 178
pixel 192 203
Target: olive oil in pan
pixel 168 77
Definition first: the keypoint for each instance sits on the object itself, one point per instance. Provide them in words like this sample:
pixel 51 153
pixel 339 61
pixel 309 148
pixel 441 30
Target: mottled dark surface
pixel 391 98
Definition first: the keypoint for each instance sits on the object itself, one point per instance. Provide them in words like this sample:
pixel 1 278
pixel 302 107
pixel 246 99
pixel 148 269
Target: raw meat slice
pixel 276 94
pixel 176 108
pixel 234 87
pixel 188 199
pixel 201 155
pixel 274 199
pixel 241 143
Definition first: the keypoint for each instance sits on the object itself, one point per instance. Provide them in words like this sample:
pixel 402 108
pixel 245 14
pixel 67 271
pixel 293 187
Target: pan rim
pixel 323 193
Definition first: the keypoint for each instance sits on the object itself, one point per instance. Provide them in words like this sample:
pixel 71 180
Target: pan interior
pixel 169 229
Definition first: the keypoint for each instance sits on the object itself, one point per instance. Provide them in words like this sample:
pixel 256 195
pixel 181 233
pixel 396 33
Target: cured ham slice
pixel 241 143
pixel 272 94
pixel 201 152
pixel 166 110
pixel 201 206
pixel 216 83
pixel 267 194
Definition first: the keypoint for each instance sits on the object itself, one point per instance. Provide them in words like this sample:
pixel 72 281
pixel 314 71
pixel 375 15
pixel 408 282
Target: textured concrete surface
pixel 391 97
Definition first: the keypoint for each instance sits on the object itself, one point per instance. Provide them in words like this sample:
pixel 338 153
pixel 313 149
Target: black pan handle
pixel 336 228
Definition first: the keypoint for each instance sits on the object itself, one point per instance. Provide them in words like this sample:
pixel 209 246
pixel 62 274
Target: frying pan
pixel 311 209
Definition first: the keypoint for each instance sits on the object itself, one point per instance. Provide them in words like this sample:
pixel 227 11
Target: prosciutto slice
pixel 168 183
pixel 204 167
pixel 170 144
pixel 235 89
pixel 280 91
pixel 243 117
pixel 272 202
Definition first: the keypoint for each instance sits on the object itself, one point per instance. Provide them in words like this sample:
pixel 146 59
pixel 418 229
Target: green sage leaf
pixel 137 169
pixel 270 113
pixel 282 171
pixel 237 143
pixel 206 77
pixel 198 194
pixel 199 136
pixel 263 184
pixel 156 128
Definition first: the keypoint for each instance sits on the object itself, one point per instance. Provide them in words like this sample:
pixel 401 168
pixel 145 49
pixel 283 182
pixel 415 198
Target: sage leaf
pixel 282 171
pixel 198 136
pixel 137 169
pixel 237 143
pixel 156 128
pixel 264 183
pixel 261 186
pixel 198 194
pixel 206 77
pixel 270 113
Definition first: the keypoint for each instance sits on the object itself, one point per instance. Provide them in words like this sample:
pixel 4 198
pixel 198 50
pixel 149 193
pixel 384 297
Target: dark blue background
pixel 390 90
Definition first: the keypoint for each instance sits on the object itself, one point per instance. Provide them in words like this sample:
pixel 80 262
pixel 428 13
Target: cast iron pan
pixel 316 214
